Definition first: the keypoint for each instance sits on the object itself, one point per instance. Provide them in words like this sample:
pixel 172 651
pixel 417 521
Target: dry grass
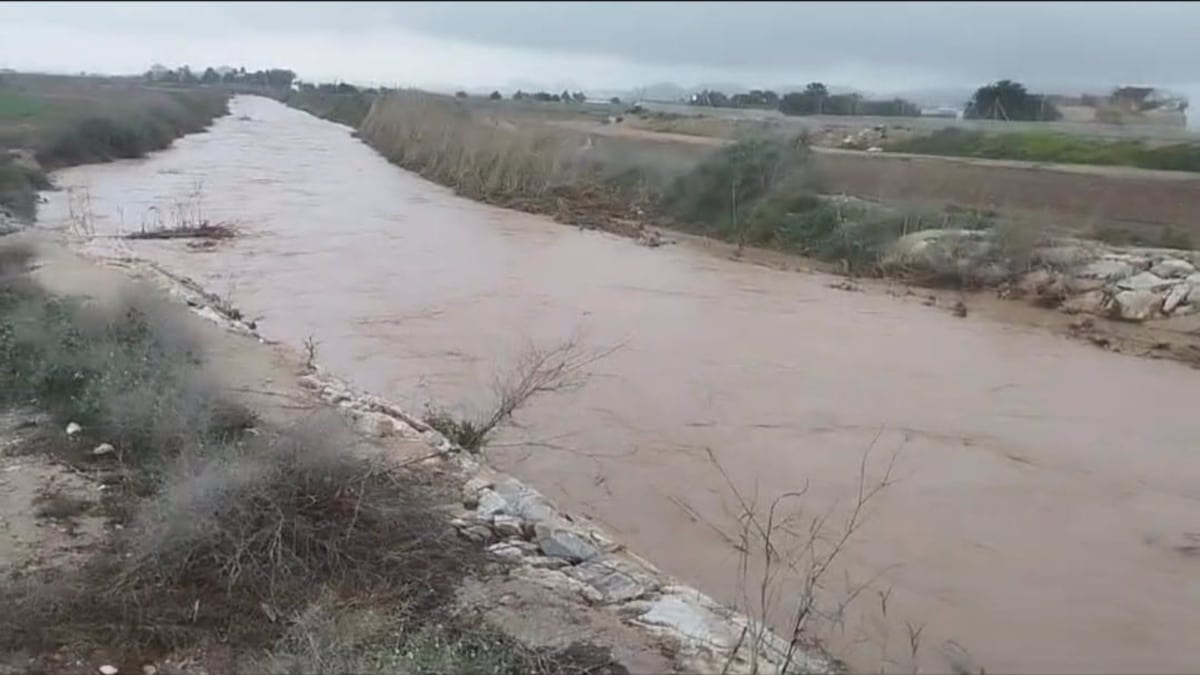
pixel 445 142
pixel 527 165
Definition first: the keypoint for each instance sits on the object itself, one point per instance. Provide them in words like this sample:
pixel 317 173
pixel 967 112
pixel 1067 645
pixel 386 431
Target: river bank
pixel 763 195
pixel 545 567
pixel 48 122
pixel 1006 431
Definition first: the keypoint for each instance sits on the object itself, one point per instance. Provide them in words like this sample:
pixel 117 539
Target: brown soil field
pixel 1074 198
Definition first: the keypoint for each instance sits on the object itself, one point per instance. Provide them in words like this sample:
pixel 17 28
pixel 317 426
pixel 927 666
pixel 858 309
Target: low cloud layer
pixel 876 46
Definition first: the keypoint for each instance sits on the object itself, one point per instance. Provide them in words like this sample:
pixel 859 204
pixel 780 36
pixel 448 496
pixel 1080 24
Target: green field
pixel 1040 146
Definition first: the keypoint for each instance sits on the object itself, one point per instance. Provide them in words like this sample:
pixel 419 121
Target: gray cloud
pixel 874 45
pixel 1081 42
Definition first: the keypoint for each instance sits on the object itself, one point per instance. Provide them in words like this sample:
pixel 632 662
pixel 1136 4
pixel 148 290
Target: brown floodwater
pixel 1044 515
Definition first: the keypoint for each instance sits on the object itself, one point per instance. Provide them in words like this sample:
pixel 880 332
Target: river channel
pixel 1044 514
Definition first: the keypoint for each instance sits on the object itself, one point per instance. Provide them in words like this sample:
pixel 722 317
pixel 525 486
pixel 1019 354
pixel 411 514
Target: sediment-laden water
pixel 1044 514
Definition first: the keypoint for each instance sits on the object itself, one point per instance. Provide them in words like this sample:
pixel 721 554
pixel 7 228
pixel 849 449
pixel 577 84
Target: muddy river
pixel 1044 513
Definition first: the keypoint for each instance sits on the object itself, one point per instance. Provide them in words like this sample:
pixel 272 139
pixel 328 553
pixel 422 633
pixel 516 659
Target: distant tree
pixel 819 92
pixel 495 96
pixel 1008 100
pixel 616 100
pixel 279 78
pixel 460 94
pixel 519 95
pixel 210 76
pixel 798 103
pixel 711 98
pixel 564 96
pixel 579 97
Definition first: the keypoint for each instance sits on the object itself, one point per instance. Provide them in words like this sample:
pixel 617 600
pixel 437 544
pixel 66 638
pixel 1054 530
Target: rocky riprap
pixel 544 544
pixel 1076 276
pixel 575 558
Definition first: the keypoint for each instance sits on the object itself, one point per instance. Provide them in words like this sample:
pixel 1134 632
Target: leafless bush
pixel 302 512
pixel 536 371
pixel 786 554
pixel 310 353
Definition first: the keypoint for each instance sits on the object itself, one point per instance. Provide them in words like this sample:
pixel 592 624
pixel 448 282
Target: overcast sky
pixel 880 47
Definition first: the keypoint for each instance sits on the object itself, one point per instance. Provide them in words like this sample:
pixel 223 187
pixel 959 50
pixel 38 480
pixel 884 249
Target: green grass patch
pixel 1039 146
pixel 17 106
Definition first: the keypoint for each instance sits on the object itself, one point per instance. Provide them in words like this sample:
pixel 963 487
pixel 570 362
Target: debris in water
pixel 202 231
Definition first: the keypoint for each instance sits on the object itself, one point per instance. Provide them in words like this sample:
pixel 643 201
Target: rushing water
pixel 1044 514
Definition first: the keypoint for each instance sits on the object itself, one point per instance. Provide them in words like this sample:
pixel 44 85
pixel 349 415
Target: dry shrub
pixel 445 142
pixel 537 370
pixel 303 512
pixel 787 555
pixel 128 370
pixel 529 165
pixel 237 543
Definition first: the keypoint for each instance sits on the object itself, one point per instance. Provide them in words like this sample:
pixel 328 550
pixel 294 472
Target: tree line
pixel 1005 100
pixel 815 99
pixel 275 78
